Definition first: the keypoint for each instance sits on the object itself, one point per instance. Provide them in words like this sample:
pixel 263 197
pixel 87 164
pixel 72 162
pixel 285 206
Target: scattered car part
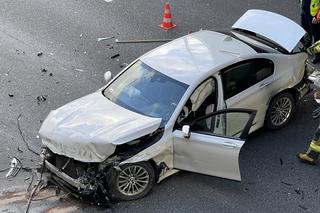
pixel 106 38
pixel 115 56
pixel 15 166
pixel 36 187
pixel 41 98
pixel 143 41
pixel 123 65
pixel 79 70
pixel 107 76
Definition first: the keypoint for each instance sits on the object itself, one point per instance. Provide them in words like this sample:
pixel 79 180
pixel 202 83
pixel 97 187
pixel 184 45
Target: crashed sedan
pixel 186 105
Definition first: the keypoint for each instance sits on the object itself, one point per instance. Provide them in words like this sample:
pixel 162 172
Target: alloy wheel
pixel 281 111
pixel 133 180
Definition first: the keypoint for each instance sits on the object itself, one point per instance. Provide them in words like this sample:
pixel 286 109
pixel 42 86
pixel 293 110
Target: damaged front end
pixel 86 181
pixel 89 181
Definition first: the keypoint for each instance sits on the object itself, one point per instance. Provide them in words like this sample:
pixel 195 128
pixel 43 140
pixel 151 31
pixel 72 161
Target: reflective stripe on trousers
pixel 315 146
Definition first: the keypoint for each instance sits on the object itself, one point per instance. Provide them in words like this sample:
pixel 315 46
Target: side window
pixel 227 124
pixel 239 77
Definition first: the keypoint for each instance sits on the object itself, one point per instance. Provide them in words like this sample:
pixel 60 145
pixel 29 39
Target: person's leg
pixel 312 154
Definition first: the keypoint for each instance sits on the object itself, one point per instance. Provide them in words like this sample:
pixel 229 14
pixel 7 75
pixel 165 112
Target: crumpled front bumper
pixel 71 181
pixel 86 184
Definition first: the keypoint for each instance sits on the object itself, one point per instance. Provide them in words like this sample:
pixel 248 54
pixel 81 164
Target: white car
pixel 186 105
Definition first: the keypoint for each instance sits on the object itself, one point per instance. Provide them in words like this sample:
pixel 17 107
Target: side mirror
pixel 186 131
pixel 107 76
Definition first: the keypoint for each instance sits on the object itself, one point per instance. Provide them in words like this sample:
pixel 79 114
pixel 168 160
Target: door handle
pixel 229 145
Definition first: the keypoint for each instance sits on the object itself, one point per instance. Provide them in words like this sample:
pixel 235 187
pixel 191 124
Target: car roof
pixel 190 57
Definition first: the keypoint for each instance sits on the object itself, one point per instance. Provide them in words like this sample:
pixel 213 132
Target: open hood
pixel 274 27
pixel 88 129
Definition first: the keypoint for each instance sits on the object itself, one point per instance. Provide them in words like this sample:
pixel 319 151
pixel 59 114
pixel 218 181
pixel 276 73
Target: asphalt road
pixel 72 64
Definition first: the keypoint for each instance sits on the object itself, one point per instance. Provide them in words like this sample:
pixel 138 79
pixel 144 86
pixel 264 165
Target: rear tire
pixel 134 181
pixel 280 111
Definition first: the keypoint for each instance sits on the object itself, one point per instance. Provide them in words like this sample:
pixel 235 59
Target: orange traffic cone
pixel 167 23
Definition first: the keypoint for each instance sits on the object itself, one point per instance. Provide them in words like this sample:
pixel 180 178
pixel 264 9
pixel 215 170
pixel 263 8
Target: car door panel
pixel 213 150
pixel 219 156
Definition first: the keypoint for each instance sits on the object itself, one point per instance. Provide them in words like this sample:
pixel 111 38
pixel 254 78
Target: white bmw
pixel 186 105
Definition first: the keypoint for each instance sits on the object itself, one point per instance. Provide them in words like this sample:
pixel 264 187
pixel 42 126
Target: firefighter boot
pixel 306 158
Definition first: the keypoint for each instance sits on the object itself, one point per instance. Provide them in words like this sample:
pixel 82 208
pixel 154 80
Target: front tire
pixel 134 181
pixel 280 111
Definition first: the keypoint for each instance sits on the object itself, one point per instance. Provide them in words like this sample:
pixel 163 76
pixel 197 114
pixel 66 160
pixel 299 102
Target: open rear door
pixel 214 143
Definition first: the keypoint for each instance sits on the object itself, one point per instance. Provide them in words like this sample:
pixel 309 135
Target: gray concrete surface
pixel 66 32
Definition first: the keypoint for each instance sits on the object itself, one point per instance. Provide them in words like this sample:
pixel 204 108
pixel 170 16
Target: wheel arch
pixel 293 91
pixel 156 168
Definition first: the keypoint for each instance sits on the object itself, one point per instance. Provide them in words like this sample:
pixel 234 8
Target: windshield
pixel 146 91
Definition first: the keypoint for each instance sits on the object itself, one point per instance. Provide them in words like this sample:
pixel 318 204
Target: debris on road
pixel 44 70
pixel 281 161
pixel 79 70
pixel 15 167
pixel 285 183
pixel 23 139
pixel 19 150
pixel 300 192
pixel 105 38
pixel 81 35
pixel 123 65
pixel 51 74
pixel 143 41
pixel 19 51
pixel 303 207
pixel 109 46
pixel 39 54
pixel 10 95
pixel 115 56
pixel 41 98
